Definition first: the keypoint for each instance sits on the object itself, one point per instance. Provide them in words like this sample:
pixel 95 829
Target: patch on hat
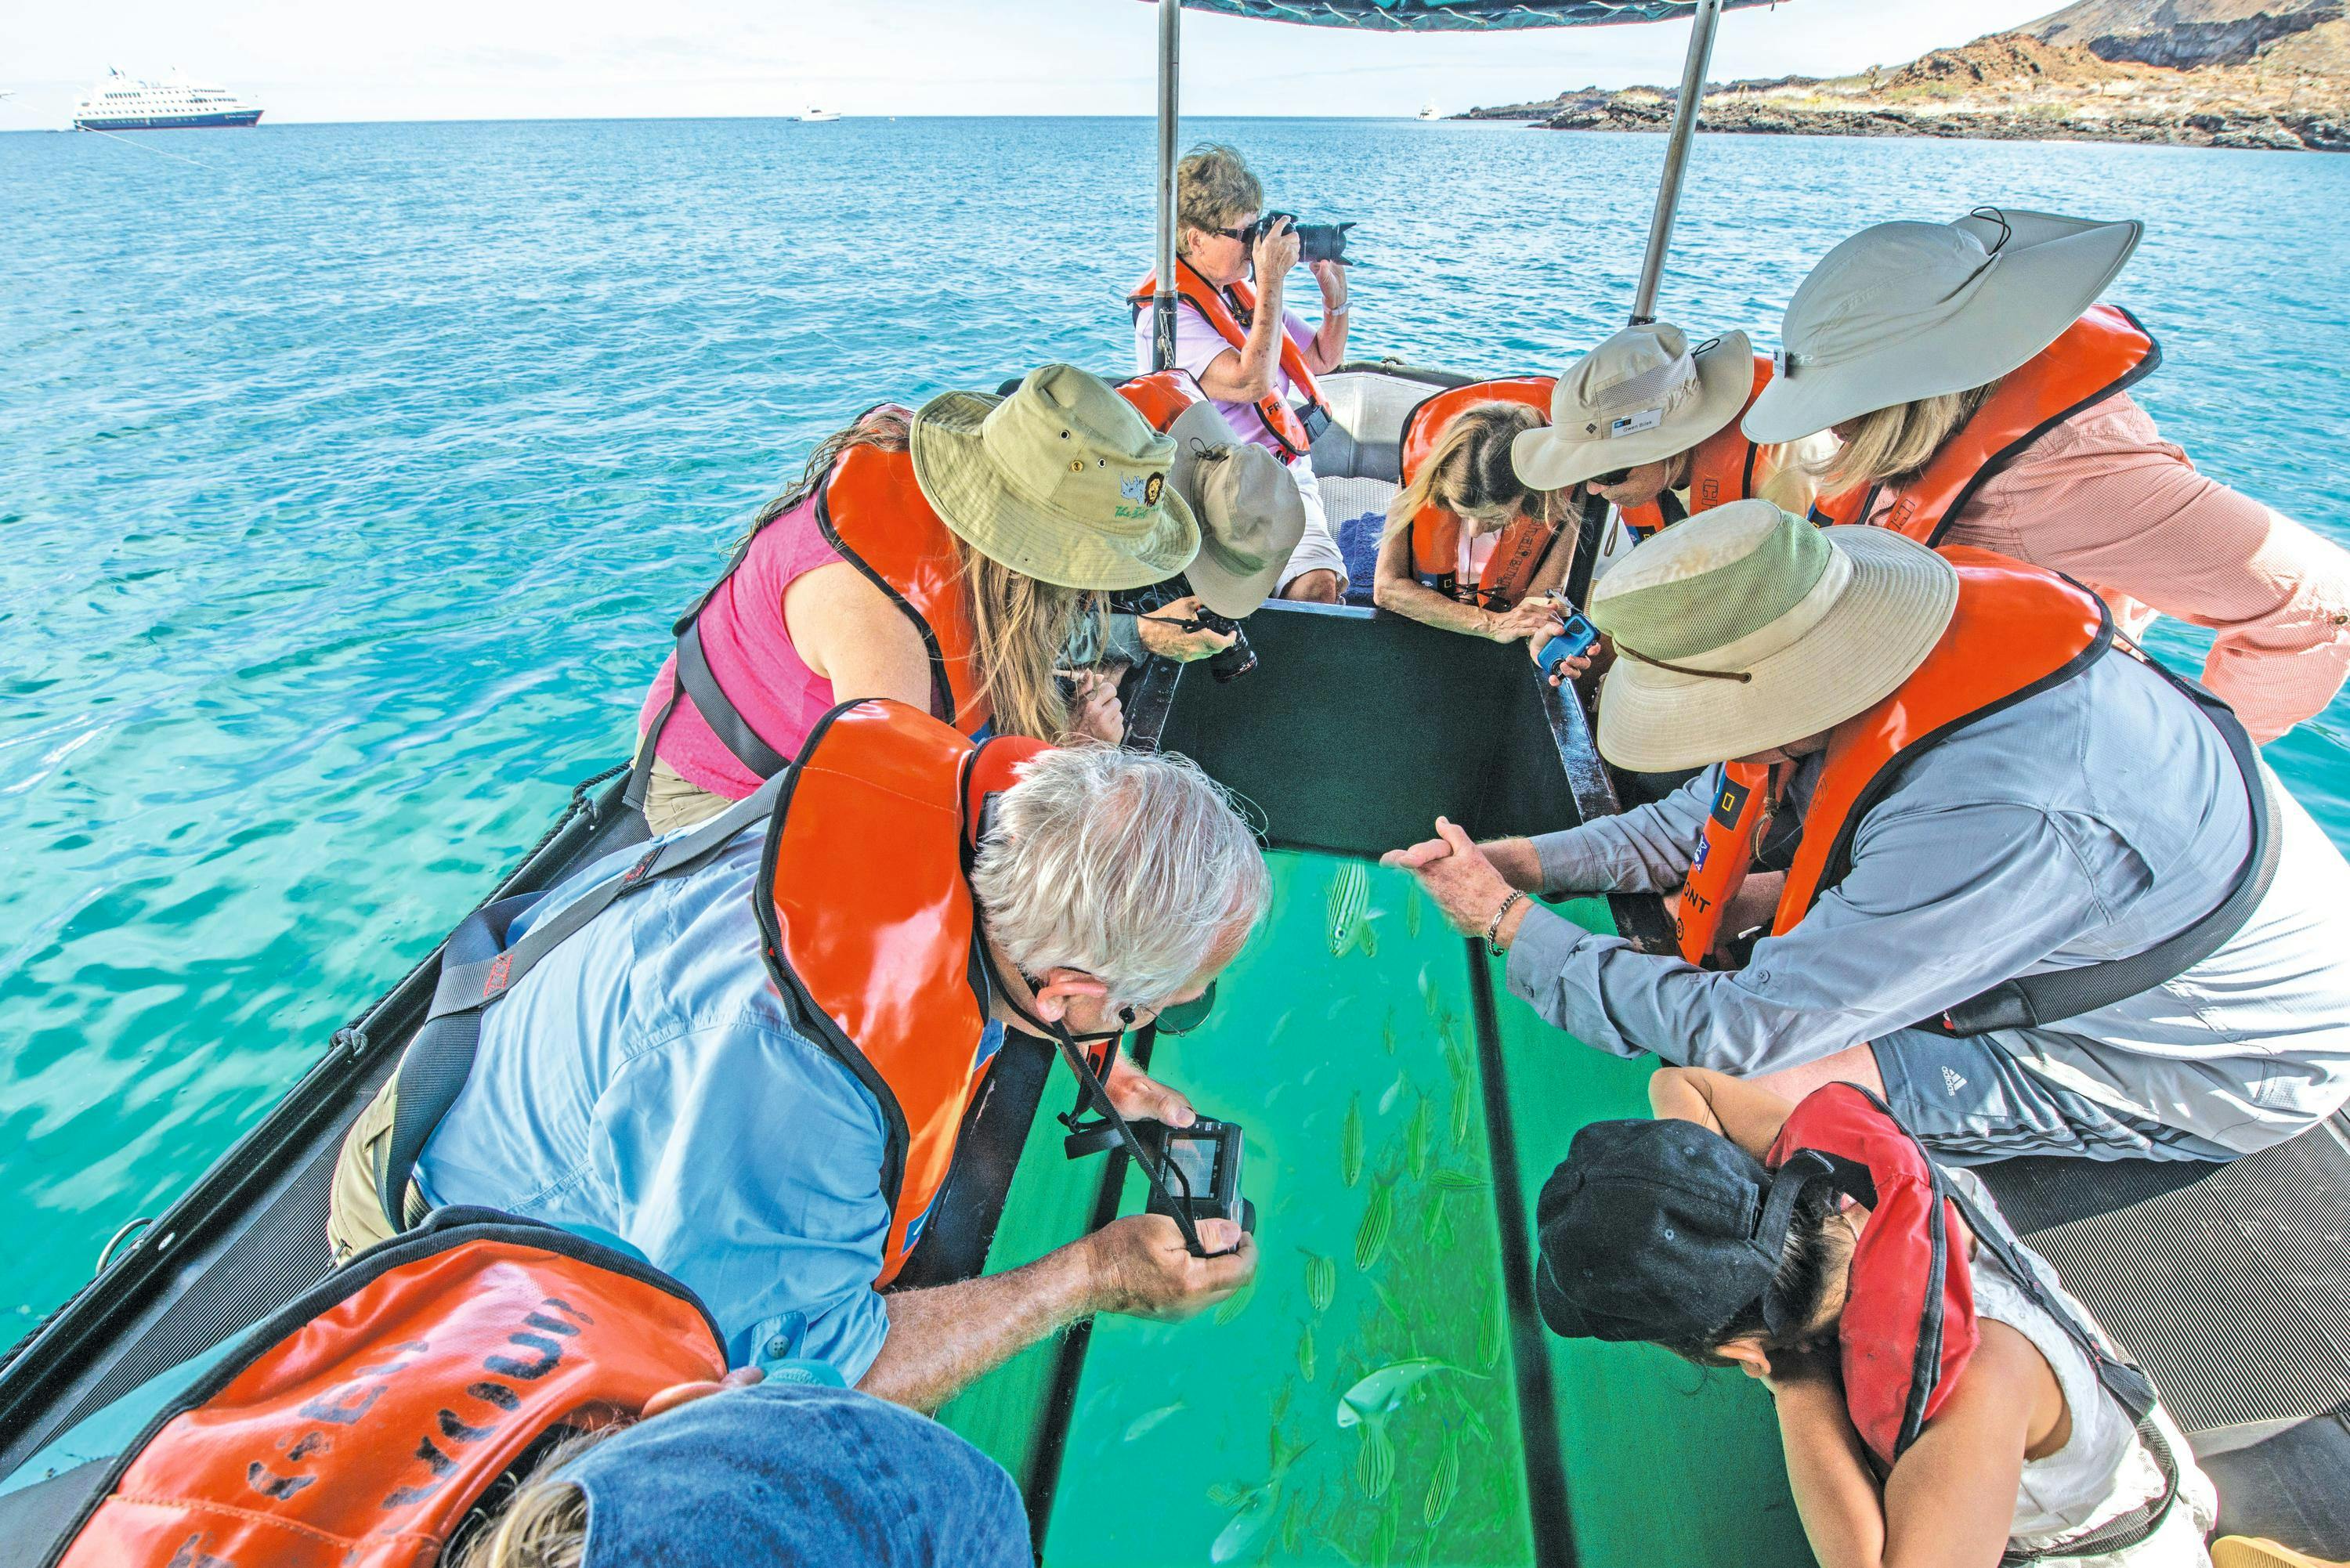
pixel 1633 424
pixel 1150 491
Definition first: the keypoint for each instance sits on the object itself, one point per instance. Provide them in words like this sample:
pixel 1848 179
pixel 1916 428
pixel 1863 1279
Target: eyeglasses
pixel 1613 476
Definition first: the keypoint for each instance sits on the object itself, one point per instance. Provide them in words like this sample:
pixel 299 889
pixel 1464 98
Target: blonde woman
pixel 1254 356
pixel 1468 547
pixel 945 559
pixel 1982 396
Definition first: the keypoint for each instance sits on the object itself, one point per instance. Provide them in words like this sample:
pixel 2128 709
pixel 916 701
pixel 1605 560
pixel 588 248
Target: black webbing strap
pixel 717 710
pixel 696 680
pixel 478 967
pixel 2129 1386
pixel 2037 999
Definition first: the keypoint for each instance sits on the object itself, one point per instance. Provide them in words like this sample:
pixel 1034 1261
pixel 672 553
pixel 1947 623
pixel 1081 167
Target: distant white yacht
pixel 821 116
pixel 1429 111
pixel 120 102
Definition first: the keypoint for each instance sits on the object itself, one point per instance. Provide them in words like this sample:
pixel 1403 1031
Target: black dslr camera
pixel 1315 241
pixel 1227 664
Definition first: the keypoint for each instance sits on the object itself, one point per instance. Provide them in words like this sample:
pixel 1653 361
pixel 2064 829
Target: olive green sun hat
pixel 1747 628
pixel 1061 481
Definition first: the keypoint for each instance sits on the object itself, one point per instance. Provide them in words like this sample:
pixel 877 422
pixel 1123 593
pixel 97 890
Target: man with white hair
pixel 755 1067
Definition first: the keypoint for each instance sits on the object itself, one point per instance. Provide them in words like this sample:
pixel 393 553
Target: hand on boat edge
pixel 1458 875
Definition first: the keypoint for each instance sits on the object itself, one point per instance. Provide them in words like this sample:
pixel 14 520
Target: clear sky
pixel 467 59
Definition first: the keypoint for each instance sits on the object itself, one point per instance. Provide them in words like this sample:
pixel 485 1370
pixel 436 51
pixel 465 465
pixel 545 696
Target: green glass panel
pixel 1051 1200
pixel 1666 1462
pixel 1226 1427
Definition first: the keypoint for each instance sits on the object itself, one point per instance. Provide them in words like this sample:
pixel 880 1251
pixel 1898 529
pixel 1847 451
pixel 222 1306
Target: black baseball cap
pixel 1658 1230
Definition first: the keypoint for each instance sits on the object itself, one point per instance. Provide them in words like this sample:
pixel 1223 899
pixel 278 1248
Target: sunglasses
pixel 1613 476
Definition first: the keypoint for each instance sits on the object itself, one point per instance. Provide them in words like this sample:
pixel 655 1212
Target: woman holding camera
pixel 1250 353
pixel 947 558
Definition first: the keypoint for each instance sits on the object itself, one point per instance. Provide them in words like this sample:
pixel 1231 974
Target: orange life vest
pixel 1162 396
pixel 870 509
pixel 1281 422
pixel 1721 466
pixel 360 1425
pixel 2018 630
pixel 1436 531
pixel 2105 352
pixel 872 512
pixel 872 930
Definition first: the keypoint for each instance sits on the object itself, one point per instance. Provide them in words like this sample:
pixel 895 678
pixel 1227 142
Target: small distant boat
pixel 1429 111
pixel 120 102
pixel 820 116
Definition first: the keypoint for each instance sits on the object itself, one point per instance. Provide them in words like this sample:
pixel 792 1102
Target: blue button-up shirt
pixel 2082 824
pixel 644 1081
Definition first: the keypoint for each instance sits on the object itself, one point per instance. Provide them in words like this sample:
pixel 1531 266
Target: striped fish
pixel 1350 900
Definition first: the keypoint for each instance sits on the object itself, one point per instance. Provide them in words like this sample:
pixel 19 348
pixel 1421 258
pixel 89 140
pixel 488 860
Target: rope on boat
pixel 156 150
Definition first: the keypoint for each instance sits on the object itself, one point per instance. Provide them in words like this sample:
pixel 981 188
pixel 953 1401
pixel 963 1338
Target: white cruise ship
pixel 125 103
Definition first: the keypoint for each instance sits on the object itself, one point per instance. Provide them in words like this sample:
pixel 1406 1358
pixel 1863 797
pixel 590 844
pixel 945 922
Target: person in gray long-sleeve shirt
pixel 2085 822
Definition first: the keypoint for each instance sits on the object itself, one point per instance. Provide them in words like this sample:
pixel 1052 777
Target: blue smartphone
pixel 1579 637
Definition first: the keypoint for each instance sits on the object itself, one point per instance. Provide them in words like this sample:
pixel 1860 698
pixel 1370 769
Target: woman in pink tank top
pixel 962 593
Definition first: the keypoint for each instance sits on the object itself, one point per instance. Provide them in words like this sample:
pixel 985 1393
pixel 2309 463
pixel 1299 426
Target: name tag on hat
pixel 1633 424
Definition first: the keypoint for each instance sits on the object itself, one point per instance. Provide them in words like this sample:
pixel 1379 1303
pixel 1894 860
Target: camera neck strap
pixel 1090 1087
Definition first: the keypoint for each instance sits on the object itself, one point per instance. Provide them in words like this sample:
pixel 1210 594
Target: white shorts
pixel 1317 548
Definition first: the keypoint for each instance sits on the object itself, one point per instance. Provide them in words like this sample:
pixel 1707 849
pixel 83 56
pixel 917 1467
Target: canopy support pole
pixel 1170 67
pixel 1676 152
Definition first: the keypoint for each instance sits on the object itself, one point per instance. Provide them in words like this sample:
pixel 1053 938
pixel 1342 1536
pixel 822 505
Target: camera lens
pixel 1232 663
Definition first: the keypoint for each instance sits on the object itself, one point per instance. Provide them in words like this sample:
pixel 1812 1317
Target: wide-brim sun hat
pixel 1250 514
pixel 1061 481
pixel 1907 310
pixel 1775 630
pixel 1642 396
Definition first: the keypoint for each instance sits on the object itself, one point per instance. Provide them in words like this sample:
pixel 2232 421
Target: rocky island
pixel 2272 74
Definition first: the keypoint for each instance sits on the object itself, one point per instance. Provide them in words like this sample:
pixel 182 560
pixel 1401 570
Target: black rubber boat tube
pixel 1538 1439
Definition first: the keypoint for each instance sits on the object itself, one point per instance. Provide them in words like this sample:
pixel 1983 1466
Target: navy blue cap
pixel 781 1472
pixel 1654 1231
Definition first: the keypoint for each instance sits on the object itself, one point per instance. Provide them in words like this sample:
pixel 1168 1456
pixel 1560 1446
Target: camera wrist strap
pixel 1093 1088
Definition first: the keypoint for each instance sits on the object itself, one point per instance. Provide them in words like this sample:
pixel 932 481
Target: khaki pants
pixel 354 1216
pixel 670 802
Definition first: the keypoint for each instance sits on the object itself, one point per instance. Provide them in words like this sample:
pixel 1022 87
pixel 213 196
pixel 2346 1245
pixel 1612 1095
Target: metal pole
pixel 1170 67
pixel 1677 151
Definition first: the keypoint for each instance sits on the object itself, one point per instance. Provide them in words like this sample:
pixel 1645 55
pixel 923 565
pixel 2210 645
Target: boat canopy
pixel 1458 15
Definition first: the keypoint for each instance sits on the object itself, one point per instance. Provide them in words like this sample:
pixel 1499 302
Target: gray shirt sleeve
pixel 1941 903
pixel 1644 850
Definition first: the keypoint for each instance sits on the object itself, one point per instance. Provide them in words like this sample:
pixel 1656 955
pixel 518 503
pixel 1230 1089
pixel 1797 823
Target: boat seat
pixel 2230 1284
pixel 1358 510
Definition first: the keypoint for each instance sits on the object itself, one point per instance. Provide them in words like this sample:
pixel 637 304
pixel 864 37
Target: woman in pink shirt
pixel 945 559
pixel 1980 396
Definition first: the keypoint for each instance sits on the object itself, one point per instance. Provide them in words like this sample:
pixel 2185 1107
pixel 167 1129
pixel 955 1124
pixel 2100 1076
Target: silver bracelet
pixel 1494 929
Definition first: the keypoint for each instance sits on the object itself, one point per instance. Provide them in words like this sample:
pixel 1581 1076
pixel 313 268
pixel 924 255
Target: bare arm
pixel 1747 1115
pixel 1396 588
pixel 1245 375
pixel 1328 350
pixel 847 631
pixel 939 1340
pixel 1951 1497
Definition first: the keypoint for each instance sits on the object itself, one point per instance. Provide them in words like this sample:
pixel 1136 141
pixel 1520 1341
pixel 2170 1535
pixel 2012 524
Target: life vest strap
pixel 478 968
pixel 2033 1000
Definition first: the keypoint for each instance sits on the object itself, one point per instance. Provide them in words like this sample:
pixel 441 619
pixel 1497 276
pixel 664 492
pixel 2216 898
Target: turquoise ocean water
pixel 349 474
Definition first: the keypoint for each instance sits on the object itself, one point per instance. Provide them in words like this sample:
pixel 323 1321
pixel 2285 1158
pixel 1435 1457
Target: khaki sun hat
pixel 1907 310
pixel 1747 628
pixel 1251 514
pixel 1642 396
pixel 1062 481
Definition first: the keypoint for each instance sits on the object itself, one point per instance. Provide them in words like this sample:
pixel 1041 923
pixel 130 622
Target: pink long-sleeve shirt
pixel 2104 499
